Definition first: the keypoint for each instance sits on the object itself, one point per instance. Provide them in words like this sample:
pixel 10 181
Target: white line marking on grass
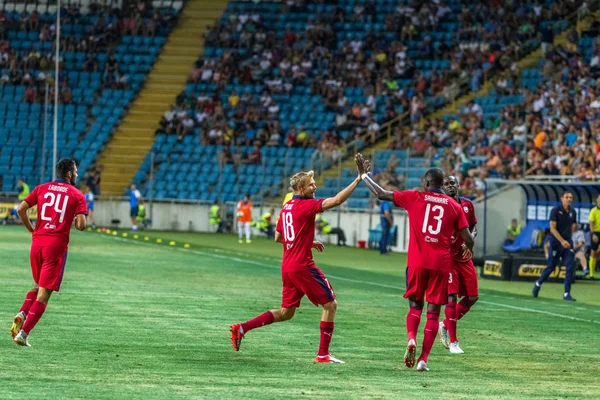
pixel 219 256
pixel 541 312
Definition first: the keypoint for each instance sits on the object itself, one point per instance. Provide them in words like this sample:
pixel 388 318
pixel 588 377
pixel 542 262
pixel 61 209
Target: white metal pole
pixel 56 71
pixel 43 167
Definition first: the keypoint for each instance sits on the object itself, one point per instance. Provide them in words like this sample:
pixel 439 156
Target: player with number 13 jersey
pixel 58 203
pixel 299 274
pixel 434 218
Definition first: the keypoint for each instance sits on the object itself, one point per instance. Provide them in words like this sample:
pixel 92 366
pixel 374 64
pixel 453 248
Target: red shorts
pixel 463 281
pixel 48 266
pixel 428 284
pixel 310 282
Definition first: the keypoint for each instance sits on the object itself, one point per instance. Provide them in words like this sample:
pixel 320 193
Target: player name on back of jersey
pixel 435 199
pixel 56 188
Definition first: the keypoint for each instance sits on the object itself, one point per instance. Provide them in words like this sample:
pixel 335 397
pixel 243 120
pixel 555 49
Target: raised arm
pixel 342 196
pixel 364 167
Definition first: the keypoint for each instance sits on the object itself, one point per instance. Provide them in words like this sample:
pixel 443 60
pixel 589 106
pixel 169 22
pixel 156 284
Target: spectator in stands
pixel 255 156
pixel 513 230
pixel 547 39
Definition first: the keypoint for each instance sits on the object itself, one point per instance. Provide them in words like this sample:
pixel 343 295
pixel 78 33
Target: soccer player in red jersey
pixel 300 276
pixel 58 204
pixel 464 278
pixel 434 219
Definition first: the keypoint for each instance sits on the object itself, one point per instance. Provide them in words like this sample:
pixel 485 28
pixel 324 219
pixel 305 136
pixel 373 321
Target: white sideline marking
pixel 202 253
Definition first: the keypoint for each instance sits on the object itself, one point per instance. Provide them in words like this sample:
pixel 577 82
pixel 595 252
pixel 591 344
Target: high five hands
pixel 363 166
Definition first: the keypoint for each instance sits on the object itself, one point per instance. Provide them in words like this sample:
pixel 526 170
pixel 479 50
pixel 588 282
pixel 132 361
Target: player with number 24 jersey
pixel 59 203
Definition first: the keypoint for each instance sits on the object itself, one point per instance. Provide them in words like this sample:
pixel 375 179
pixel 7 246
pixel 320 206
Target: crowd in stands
pixel 553 130
pixel 420 51
pixel 33 66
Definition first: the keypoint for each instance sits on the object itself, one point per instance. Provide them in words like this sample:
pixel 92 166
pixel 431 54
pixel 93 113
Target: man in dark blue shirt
pixel 385 212
pixel 562 219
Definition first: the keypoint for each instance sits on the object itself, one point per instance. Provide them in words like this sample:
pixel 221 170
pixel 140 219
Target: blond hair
pixel 300 179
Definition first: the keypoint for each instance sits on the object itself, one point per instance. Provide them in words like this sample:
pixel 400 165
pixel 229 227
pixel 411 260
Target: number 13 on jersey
pixel 437 213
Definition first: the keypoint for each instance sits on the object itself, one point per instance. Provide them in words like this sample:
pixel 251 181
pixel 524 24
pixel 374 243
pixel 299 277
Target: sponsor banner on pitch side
pixel 6 210
pixel 535 271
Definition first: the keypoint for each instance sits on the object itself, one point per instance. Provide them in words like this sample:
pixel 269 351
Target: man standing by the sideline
pixel 562 218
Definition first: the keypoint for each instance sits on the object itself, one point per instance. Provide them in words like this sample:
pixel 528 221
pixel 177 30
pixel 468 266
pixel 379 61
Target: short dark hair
pixel 435 176
pixel 64 166
pixel 565 193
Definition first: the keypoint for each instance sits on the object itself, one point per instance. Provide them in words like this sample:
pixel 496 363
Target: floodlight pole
pixel 56 71
pixel 43 164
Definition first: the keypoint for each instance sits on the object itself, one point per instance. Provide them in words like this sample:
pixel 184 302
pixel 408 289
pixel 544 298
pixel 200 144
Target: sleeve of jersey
pixel 403 199
pixel 315 206
pixel 32 198
pixel 81 206
pixel 553 214
pixel 462 220
pixel 279 227
pixel 472 216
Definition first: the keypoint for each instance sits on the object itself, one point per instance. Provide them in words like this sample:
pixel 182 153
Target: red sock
pixel 431 329
pixel 35 313
pixel 326 334
pixel 450 321
pixel 413 319
pixel 29 299
pixel 463 307
pixel 262 320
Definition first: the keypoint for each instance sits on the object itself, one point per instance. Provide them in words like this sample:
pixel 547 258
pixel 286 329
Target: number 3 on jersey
pixel 288 227
pixel 427 227
pixel 54 201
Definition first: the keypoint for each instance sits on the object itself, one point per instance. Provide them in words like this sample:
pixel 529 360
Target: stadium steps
pixel 529 61
pixel 134 137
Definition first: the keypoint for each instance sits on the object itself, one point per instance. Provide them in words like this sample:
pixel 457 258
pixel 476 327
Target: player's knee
pixel 452 297
pixel 330 307
pixel 43 295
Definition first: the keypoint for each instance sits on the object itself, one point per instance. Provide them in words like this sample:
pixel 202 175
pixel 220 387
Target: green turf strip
pixel 151 321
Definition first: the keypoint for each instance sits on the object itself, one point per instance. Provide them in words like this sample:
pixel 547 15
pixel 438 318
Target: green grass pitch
pixel 141 320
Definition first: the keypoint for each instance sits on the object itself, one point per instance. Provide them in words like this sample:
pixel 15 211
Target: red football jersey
pixel 297 226
pixel 433 218
pixel 58 203
pixel 469 210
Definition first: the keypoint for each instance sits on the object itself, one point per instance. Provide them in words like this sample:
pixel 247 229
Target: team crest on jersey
pixel 466 209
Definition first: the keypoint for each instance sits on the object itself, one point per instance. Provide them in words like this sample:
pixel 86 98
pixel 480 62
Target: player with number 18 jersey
pixel 299 274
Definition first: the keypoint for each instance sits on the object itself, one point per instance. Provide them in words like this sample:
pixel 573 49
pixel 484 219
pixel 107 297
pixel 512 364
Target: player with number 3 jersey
pixel 58 203
pixel 434 219
pixel 299 274
pixel 464 276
